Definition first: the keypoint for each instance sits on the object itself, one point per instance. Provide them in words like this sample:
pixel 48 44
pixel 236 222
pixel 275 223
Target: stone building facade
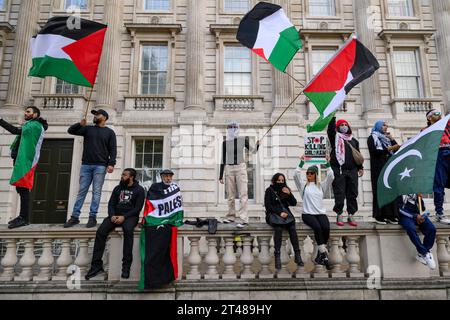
pixel 173 75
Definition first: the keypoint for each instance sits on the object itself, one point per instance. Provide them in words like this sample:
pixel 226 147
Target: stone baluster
pixel 255 249
pixel 264 257
pixel 319 270
pixel 247 259
pixel 284 273
pixel 82 260
pixel 212 259
pixel 9 260
pixel 229 259
pixel 45 262
pixel 443 255
pixel 222 246
pixel 64 261
pixel 353 258
pixel 239 247
pixel 336 259
pixel 194 259
pixel 301 272
pixel 27 262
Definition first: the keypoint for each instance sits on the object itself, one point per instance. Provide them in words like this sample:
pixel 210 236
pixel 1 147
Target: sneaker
pixel 93 271
pixel 92 222
pixel 226 220
pixel 442 219
pixel 382 221
pixel 71 222
pixel 351 221
pixel 429 259
pixel 421 259
pixel 340 220
pixel 18 222
pixel 393 221
pixel 14 220
pixel 325 260
pixel 125 272
pixel 242 225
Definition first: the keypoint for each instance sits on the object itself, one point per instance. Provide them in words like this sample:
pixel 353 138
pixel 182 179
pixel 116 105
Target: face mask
pixel 278 186
pixel 232 133
pixel 343 130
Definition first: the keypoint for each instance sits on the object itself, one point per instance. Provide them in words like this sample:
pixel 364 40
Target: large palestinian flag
pixel 352 64
pixel 163 213
pixel 68 50
pixel 268 32
pixel 28 154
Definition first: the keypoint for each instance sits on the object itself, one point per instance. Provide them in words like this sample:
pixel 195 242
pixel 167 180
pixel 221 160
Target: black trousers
pixel 278 234
pixel 320 225
pixel 102 234
pixel 345 186
pixel 24 194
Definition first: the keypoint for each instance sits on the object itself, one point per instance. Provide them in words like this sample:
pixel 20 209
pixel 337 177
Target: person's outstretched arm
pixel 10 128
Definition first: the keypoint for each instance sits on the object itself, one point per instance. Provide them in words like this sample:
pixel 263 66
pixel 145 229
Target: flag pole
pixel 88 103
pixel 419 198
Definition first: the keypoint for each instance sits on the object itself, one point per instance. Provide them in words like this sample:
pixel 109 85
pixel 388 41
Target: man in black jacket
pixel 124 206
pixel 25 133
pixel 99 157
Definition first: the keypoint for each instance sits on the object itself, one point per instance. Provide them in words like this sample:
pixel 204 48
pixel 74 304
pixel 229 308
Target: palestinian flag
pixel 163 213
pixel 412 168
pixel 351 65
pixel 68 51
pixel 28 154
pixel 268 32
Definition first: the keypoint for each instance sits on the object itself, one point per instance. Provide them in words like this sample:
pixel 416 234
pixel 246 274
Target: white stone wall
pixel 192 137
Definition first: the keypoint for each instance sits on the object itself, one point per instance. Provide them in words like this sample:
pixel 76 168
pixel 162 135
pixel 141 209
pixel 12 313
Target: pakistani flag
pixel 352 64
pixel 28 154
pixel 268 32
pixel 411 169
pixel 69 49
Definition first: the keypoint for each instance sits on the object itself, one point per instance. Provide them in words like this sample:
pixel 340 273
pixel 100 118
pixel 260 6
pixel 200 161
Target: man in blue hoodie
pixel 410 218
pixel 124 207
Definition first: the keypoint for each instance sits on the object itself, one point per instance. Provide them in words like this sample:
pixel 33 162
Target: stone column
pixel 18 88
pixel 283 85
pixel 108 74
pixel 442 21
pixel 195 47
pixel 366 31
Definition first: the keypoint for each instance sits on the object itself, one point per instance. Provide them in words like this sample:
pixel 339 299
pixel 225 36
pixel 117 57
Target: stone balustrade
pixel 50 253
pixel 414 108
pixel 62 102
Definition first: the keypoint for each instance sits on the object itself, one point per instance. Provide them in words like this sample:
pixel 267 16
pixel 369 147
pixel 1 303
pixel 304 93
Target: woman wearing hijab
pixel 346 171
pixel 277 199
pixel 381 147
pixel 314 213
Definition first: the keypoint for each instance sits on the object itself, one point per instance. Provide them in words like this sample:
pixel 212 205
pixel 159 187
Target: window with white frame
pixel 153 73
pixel 236 5
pixel 251 171
pixel 79 4
pixel 157 5
pixel 237 70
pixel 320 57
pixel 63 87
pixel 322 8
pixel 400 8
pixel 148 158
pixel 408 73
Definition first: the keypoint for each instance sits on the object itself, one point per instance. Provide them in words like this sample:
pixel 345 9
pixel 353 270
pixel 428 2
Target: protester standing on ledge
pixel 99 157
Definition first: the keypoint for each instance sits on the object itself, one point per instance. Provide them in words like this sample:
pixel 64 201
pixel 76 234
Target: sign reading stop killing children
pixel 316 148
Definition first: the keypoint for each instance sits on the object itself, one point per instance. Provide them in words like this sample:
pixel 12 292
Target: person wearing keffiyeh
pixel 346 171
pixel 381 147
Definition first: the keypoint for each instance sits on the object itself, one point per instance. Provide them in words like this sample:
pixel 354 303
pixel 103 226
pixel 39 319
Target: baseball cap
pixel 100 111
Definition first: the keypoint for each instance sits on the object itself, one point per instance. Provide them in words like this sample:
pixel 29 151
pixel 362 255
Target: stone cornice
pixel 152 28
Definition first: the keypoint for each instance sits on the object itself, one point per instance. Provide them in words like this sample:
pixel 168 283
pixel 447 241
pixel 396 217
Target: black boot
pixel 325 260
pixel 298 259
pixel 277 261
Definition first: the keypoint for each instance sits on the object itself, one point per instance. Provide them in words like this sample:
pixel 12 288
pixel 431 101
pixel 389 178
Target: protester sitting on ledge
pixel 314 213
pixel 410 218
pixel 277 200
pixel 124 207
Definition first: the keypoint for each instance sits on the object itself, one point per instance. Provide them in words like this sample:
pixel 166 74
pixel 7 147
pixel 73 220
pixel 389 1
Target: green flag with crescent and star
pixel 411 169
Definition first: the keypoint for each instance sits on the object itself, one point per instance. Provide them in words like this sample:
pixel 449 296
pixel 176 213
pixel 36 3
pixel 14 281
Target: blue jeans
pixel 427 229
pixel 90 174
pixel 441 179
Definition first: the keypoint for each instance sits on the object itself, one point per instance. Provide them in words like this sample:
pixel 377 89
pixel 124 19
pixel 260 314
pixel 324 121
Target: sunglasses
pixel 232 127
pixel 310 173
pixel 437 114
